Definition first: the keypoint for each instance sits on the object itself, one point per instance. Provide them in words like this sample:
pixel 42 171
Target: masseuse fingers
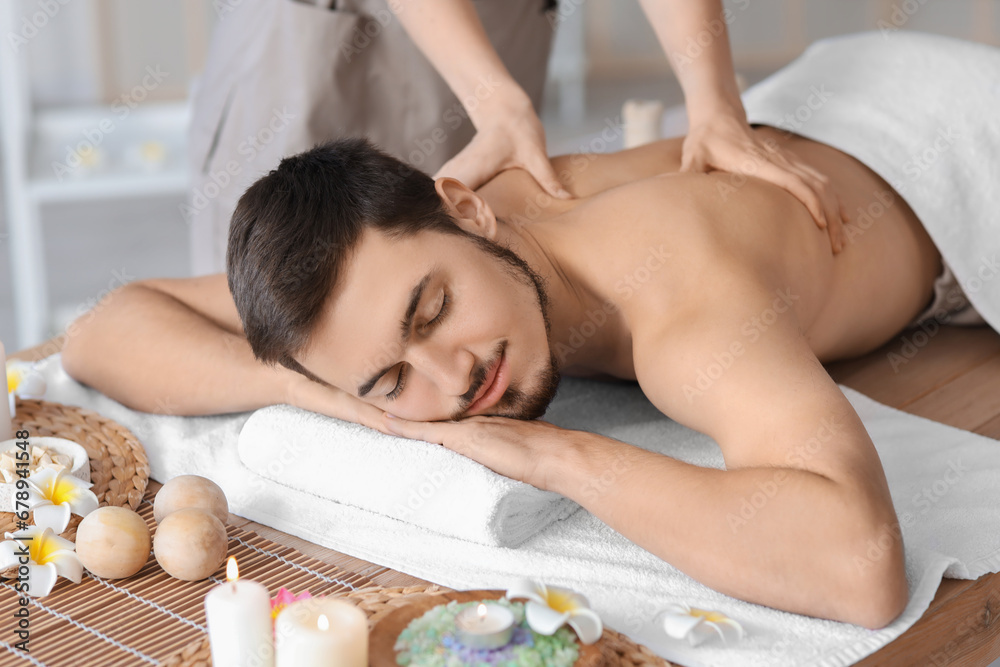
pixel 539 166
pixel 473 166
pixel 794 181
pixel 831 205
pixel 832 209
pixel 693 159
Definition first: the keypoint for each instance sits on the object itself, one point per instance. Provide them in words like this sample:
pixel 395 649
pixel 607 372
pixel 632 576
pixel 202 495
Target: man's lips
pixel 493 388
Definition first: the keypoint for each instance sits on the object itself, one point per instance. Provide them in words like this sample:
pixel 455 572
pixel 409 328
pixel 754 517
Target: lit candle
pixel 6 428
pixel 485 626
pixel 321 632
pixel 239 622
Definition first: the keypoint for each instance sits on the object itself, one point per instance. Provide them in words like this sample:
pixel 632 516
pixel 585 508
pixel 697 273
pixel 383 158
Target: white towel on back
pixel 921 111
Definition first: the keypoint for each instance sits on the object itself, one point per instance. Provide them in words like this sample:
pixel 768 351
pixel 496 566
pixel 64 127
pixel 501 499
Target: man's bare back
pixel 847 304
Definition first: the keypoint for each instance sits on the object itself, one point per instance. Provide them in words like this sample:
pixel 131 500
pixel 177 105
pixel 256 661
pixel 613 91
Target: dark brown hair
pixel 294 228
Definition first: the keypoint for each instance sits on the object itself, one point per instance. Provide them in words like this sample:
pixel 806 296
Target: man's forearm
pixel 150 352
pixel 794 548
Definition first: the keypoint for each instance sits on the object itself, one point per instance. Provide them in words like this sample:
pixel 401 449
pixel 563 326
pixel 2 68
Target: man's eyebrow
pixel 405 325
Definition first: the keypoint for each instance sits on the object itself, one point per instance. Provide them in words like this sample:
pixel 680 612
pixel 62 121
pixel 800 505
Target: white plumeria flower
pixel 45 556
pixel 549 608
pixel 55 494
pixel 23 380
pixel 696 625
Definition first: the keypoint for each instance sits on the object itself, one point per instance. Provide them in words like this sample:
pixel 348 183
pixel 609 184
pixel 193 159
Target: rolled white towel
pixel 418 482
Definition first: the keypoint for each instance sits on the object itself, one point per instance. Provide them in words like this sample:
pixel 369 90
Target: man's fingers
pixel 429 431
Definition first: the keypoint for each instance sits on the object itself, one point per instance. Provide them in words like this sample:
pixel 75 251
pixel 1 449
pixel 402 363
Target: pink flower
pixel 284 598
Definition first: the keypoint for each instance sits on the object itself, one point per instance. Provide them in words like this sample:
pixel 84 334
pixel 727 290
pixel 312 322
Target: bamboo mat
pixel 154 619
pixel 144 619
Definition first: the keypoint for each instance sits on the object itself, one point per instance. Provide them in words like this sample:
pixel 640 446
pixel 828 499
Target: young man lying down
pixel 365 290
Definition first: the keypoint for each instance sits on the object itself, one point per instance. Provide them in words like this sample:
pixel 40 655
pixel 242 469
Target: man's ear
pixel 467 208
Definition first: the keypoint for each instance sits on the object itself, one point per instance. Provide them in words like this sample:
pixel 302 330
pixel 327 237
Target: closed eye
pixel 436 320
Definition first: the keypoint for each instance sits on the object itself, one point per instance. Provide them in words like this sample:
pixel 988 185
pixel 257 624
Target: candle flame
pixel 232 570
pixel 481 610
pixel 323 623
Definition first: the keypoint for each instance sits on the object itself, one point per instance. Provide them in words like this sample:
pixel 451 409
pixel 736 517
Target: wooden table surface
pixel 951 376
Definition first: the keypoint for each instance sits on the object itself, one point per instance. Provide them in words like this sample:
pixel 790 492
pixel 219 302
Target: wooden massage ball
pixel 112 542
pixel 187 491
pixel 190 544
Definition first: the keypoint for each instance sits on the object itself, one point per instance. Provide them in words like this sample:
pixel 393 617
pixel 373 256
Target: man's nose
pixel 448 367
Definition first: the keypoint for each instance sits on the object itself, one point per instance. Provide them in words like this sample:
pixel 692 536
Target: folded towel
pixel 943 483
pixel 423 484
pixel 920 111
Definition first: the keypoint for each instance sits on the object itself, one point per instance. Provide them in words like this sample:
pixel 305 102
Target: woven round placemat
pixel 119 470
pixel 377 602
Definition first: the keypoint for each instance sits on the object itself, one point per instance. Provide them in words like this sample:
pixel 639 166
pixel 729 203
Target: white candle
pixel 485 626
pixel 239 622
pixel 6 427
pixel 321 632
pixel 642 119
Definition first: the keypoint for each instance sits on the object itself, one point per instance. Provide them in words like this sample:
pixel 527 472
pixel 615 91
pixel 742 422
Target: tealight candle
pixel 239 622
pixel 6 427
pixel 321 632
pixel 484 626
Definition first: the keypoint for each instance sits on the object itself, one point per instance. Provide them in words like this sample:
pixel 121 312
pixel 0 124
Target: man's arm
pixel 788 523
pixel 176 346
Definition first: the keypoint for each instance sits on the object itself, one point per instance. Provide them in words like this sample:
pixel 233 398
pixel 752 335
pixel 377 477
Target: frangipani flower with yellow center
pixel 696 625
pixel 25 381
pixel 44 556
pixel 549 608
pixel 55 494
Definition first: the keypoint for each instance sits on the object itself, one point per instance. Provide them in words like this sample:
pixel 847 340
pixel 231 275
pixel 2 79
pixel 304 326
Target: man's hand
pixel 304 393
pixel 726 142
pixel 521 450
pixel 508 136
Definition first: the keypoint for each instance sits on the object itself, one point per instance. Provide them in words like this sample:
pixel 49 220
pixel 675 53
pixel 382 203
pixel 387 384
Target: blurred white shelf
pixel 113 139
pixel 131 148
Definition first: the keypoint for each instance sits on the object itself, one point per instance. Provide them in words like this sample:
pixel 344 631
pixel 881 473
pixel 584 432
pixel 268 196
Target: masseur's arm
pixel 694 36
pixel 788 524
pixel 508 131
pixel 176 346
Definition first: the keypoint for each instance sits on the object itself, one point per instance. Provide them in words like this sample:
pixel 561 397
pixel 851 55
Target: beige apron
pixel 282 75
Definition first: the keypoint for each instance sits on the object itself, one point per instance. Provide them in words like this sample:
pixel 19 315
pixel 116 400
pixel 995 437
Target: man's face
pixel 431 327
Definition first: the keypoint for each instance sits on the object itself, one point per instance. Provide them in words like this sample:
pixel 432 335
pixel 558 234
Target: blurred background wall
pixel 118 219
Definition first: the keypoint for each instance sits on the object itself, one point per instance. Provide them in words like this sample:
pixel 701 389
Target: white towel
pixel 954 527
pixel 423 484
pixel 921 111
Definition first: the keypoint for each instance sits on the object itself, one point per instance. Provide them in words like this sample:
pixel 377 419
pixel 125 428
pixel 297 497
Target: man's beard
pixel 518 402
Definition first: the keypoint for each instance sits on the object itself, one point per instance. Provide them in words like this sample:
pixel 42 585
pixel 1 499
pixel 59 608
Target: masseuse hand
pixel 508 134
pixel 724 141
pixel 514 448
